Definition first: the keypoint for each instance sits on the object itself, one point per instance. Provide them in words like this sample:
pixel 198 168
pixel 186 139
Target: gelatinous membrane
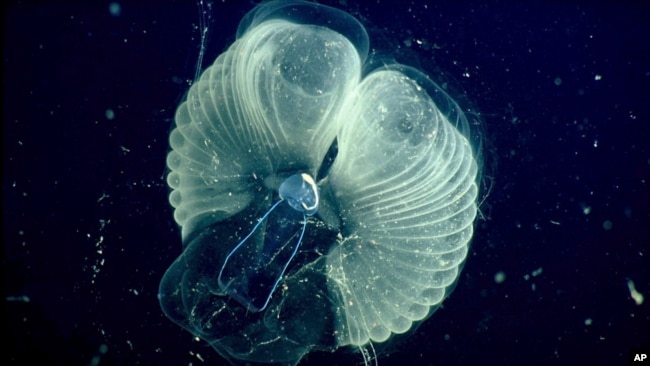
pixel 398 192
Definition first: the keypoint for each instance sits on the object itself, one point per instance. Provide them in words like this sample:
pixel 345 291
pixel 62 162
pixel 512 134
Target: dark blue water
pixel 563 92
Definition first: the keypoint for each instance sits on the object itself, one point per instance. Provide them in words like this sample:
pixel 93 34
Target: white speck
pixel 636 295
pixel 115 9
pixel 500 277
pixel 607 225
pixel 17 298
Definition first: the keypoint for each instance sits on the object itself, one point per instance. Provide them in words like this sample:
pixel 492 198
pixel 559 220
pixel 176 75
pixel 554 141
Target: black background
pixel 563 90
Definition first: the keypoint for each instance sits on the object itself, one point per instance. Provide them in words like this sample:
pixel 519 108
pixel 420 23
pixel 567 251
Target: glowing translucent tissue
pixel 250 274
pixel 320 206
